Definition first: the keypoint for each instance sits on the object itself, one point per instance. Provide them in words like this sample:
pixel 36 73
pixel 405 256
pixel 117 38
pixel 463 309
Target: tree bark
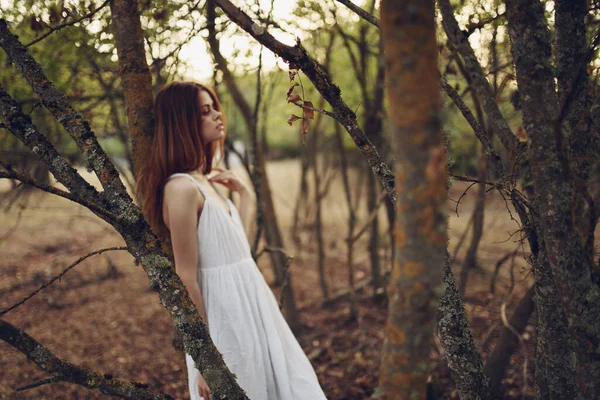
pixel 552 179
pixel 555 376
pixel 135 78
pixel 412 78
pixel 575 98
pixel 460 353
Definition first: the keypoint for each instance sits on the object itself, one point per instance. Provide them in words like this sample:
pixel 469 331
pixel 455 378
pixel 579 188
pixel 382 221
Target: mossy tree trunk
pixel 556 192
pixel 412 83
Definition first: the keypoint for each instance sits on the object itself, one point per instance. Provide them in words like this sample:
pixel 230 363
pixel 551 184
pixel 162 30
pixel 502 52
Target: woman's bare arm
pixel 182 200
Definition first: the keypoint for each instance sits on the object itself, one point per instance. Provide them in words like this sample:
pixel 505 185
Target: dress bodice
pixel 221 236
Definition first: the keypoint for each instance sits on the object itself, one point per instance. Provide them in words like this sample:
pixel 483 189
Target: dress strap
pixel 191 178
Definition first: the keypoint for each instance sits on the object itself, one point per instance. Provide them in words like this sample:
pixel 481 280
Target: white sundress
pixel 244 320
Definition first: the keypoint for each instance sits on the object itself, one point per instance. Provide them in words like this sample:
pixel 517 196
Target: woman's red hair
pixel 177 145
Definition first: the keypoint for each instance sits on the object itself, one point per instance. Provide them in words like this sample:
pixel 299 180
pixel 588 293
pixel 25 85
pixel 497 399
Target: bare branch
pixel 513 193
pixel 67 372
pixel 59 276
pixel 472 27
pixel 10 173
pixel 479 132
pixel 370 218
pixel 59 27
pixel 360 12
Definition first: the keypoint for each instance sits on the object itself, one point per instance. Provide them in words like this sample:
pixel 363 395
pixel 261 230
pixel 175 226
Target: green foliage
pixel 81 61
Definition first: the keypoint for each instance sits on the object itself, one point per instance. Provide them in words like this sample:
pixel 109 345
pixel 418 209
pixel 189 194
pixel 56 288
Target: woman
pixel 211 251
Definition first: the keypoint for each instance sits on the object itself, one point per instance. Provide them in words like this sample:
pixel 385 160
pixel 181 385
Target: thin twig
pixel 59 276
pixel 463 195
pixel 40 383
pixel 371 217
pixel 500 186
pixel 13 228
pixel 481 134
pixel 328 113
pixel 59 27
pixel 463 236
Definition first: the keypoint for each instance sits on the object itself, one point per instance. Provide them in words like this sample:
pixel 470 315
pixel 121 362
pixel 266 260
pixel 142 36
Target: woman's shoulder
pixel 180 188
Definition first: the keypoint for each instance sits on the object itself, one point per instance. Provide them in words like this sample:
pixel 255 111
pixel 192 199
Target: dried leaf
pixel 290 90
pixel 308 111
pixel 293 74
pixel 304 126
pixel 294 98
pixel 292 118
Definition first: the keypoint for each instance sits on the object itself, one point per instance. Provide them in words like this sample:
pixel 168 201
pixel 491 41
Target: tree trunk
pixel 554 359
pixel 507 343
pixel 574 97
pixel 374 125
pixel 135 78
pixel 303 193
pixel 354 313
pixel 470 262
pixel 412 78
pixel 570 259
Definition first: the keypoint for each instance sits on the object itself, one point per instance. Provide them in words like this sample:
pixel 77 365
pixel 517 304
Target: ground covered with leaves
pixel 103 316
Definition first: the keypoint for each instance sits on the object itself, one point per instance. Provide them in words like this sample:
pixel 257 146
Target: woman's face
pixel 212 126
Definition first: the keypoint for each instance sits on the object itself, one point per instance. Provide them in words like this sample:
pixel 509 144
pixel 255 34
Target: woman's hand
pixel 203 388
pixel 230 181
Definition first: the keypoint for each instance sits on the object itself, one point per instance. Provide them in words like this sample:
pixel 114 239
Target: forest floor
pixel 103 316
